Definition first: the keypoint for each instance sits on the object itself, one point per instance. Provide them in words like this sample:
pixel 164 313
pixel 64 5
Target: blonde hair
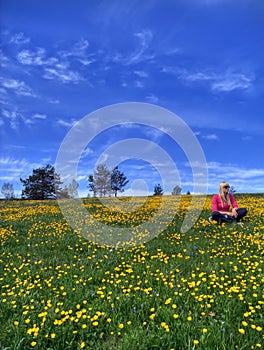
pixel 224 196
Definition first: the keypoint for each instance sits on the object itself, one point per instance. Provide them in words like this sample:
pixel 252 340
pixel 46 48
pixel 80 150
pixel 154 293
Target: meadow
pixel 203 289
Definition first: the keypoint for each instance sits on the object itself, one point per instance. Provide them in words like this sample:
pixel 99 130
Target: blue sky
pixel 200 59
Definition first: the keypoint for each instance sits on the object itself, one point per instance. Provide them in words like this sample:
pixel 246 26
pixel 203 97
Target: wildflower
pixel 241 331
pixel 204 330
pixel 167 301
pixel 196 342
pixel 121 326
pixel 152 316
pixel 82 345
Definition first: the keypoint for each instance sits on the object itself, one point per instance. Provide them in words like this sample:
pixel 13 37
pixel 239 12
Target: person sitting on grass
pixel 221 206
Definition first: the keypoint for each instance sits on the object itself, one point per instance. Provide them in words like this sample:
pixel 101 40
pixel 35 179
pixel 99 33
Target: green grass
pixel 203 289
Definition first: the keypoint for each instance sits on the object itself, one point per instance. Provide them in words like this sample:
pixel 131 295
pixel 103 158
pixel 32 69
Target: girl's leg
pixel 219 217
pixel 241 213
pixel 216 215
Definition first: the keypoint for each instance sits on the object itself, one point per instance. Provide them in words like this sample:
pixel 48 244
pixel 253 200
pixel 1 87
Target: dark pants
pixel 241 212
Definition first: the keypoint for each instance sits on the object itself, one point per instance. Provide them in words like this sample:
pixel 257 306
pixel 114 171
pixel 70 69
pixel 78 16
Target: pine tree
pixel 158 191
pixel 118 181
pixel 44 183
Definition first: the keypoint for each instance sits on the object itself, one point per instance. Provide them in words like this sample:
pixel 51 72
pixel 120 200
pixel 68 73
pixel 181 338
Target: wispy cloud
pixel 140 53
pixel 232 81
pixel 57 68
pixel 12 169
pixel 242 178
pixel 19 39
pixel 16 118
pixel 18 86
pixel 212 137
pixel 141 73
pixel 13 118
pixel 39 116
pixel 37 57
pixel 152 98
pixel 63 75
pixel 225 81
pixel 66 123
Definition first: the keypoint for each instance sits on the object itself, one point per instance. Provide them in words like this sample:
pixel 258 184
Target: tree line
pixel 45 183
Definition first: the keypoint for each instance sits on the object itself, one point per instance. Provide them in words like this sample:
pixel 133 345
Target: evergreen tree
pixel 44 183
pixel 91 183
pixel 118 181
pixel 158 191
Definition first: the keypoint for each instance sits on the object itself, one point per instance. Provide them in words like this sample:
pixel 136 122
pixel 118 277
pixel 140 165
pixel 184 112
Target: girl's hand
pixel 234 213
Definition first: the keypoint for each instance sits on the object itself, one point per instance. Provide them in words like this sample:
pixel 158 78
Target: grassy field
pixel 203 289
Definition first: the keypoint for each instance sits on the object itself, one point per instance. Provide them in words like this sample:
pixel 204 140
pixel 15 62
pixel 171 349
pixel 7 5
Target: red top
pixel 218 206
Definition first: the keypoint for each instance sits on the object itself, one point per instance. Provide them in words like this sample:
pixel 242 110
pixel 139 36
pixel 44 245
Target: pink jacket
pixel 218 206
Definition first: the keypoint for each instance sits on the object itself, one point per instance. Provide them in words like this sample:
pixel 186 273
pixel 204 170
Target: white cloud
pixel 243 179
pixel 19 39
pixel 140 53
pixel 29 57
pixel 228 80
pixel 12 169
pixel 141 73
pixel 138 84
pixel 212 137
pixel 152 98
pixel 39 116
pixel 232 81
pixel 63 75
pixel 66 123
pixel 18 86
pixel 13 117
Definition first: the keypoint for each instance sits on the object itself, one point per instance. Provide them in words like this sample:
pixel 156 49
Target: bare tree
pixel 100 181
pixel 73 188
pixel 176 191
pixel 8 191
